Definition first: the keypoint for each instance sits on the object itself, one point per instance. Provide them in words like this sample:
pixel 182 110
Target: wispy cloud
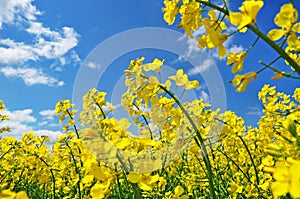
pixel 58 45
pixel 12 11
pixel 44 43
pixel 204 95
pixel 192 43
pixel 205 65
pixel 31 76
pixel 92 65
pixel 254 111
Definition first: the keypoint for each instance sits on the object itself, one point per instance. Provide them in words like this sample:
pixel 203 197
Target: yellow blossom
pixel 286 17
pixel 213 37
pixel 154 66
pixel 178 193
pixel 145 181
pixel 180 78
pixel 190 16
pixel 241 81
pixel 296 95
pixel 237 59
pixel 287 180
pixel 249 10
pixel 170 11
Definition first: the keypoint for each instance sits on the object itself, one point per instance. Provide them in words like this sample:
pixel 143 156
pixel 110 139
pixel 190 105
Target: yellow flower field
pixel 184 149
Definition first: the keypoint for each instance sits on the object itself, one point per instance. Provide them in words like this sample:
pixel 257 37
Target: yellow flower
pixel 287 16
pixel 87 180
pixel 237 59
pixel 178 193
pixel 180 78
pixel 191 84
pixel 154 66
pixel 287 180
pixel 145 181
pixel 249 10
pixel 99 190
pixel 277 76
pixel 296 95
pixel 21 195
pixel 241 81
pixel 158 114
pixel 213 37
pixel 171 10
pixel 190 16
pixel 275 34
pixel 2 105
pixel 134 177
pixel 7 194
pixel 293 42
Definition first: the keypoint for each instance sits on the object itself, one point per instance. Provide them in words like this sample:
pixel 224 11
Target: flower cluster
pixel 215 19
pixel 183 150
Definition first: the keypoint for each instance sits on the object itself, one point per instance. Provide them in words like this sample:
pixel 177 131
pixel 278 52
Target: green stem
pixel 75 128
pixel 279 50
pixel 6 152
pixel 102 112
pixel 272 62
pixel 278 71
pixel 214 6
pixel 51 171
pixel 76 168
pixel 237 166
pixel 120 195
pixel 252 161
pixel 77 134
pixel 145 119
pixel 256 40
pixel 203 147
pixel 264 37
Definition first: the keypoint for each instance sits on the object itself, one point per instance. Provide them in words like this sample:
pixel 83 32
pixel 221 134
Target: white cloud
pixel 254 111
pixel 42 123
pixel 192 43
pixel 15 52
pixel 205 65
pixel 45 43
pixel 55 125
pixel 18 121
pixel 21 116
pixel 21 121
pixel 205 96
pixel 31 76
pixel 236 49
pixel 38 29
pixel 16 10
pixel 56 47
pixel 92 65
pixel 60 83
pixel 53 135
pixel 47 114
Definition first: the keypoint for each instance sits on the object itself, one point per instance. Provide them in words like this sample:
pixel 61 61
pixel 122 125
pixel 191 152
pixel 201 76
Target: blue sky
pixel 43 44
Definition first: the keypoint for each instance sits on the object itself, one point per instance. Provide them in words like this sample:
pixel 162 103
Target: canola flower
pixel 215 20
pixel 219 157
pixel 245 161
pixel 249 10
